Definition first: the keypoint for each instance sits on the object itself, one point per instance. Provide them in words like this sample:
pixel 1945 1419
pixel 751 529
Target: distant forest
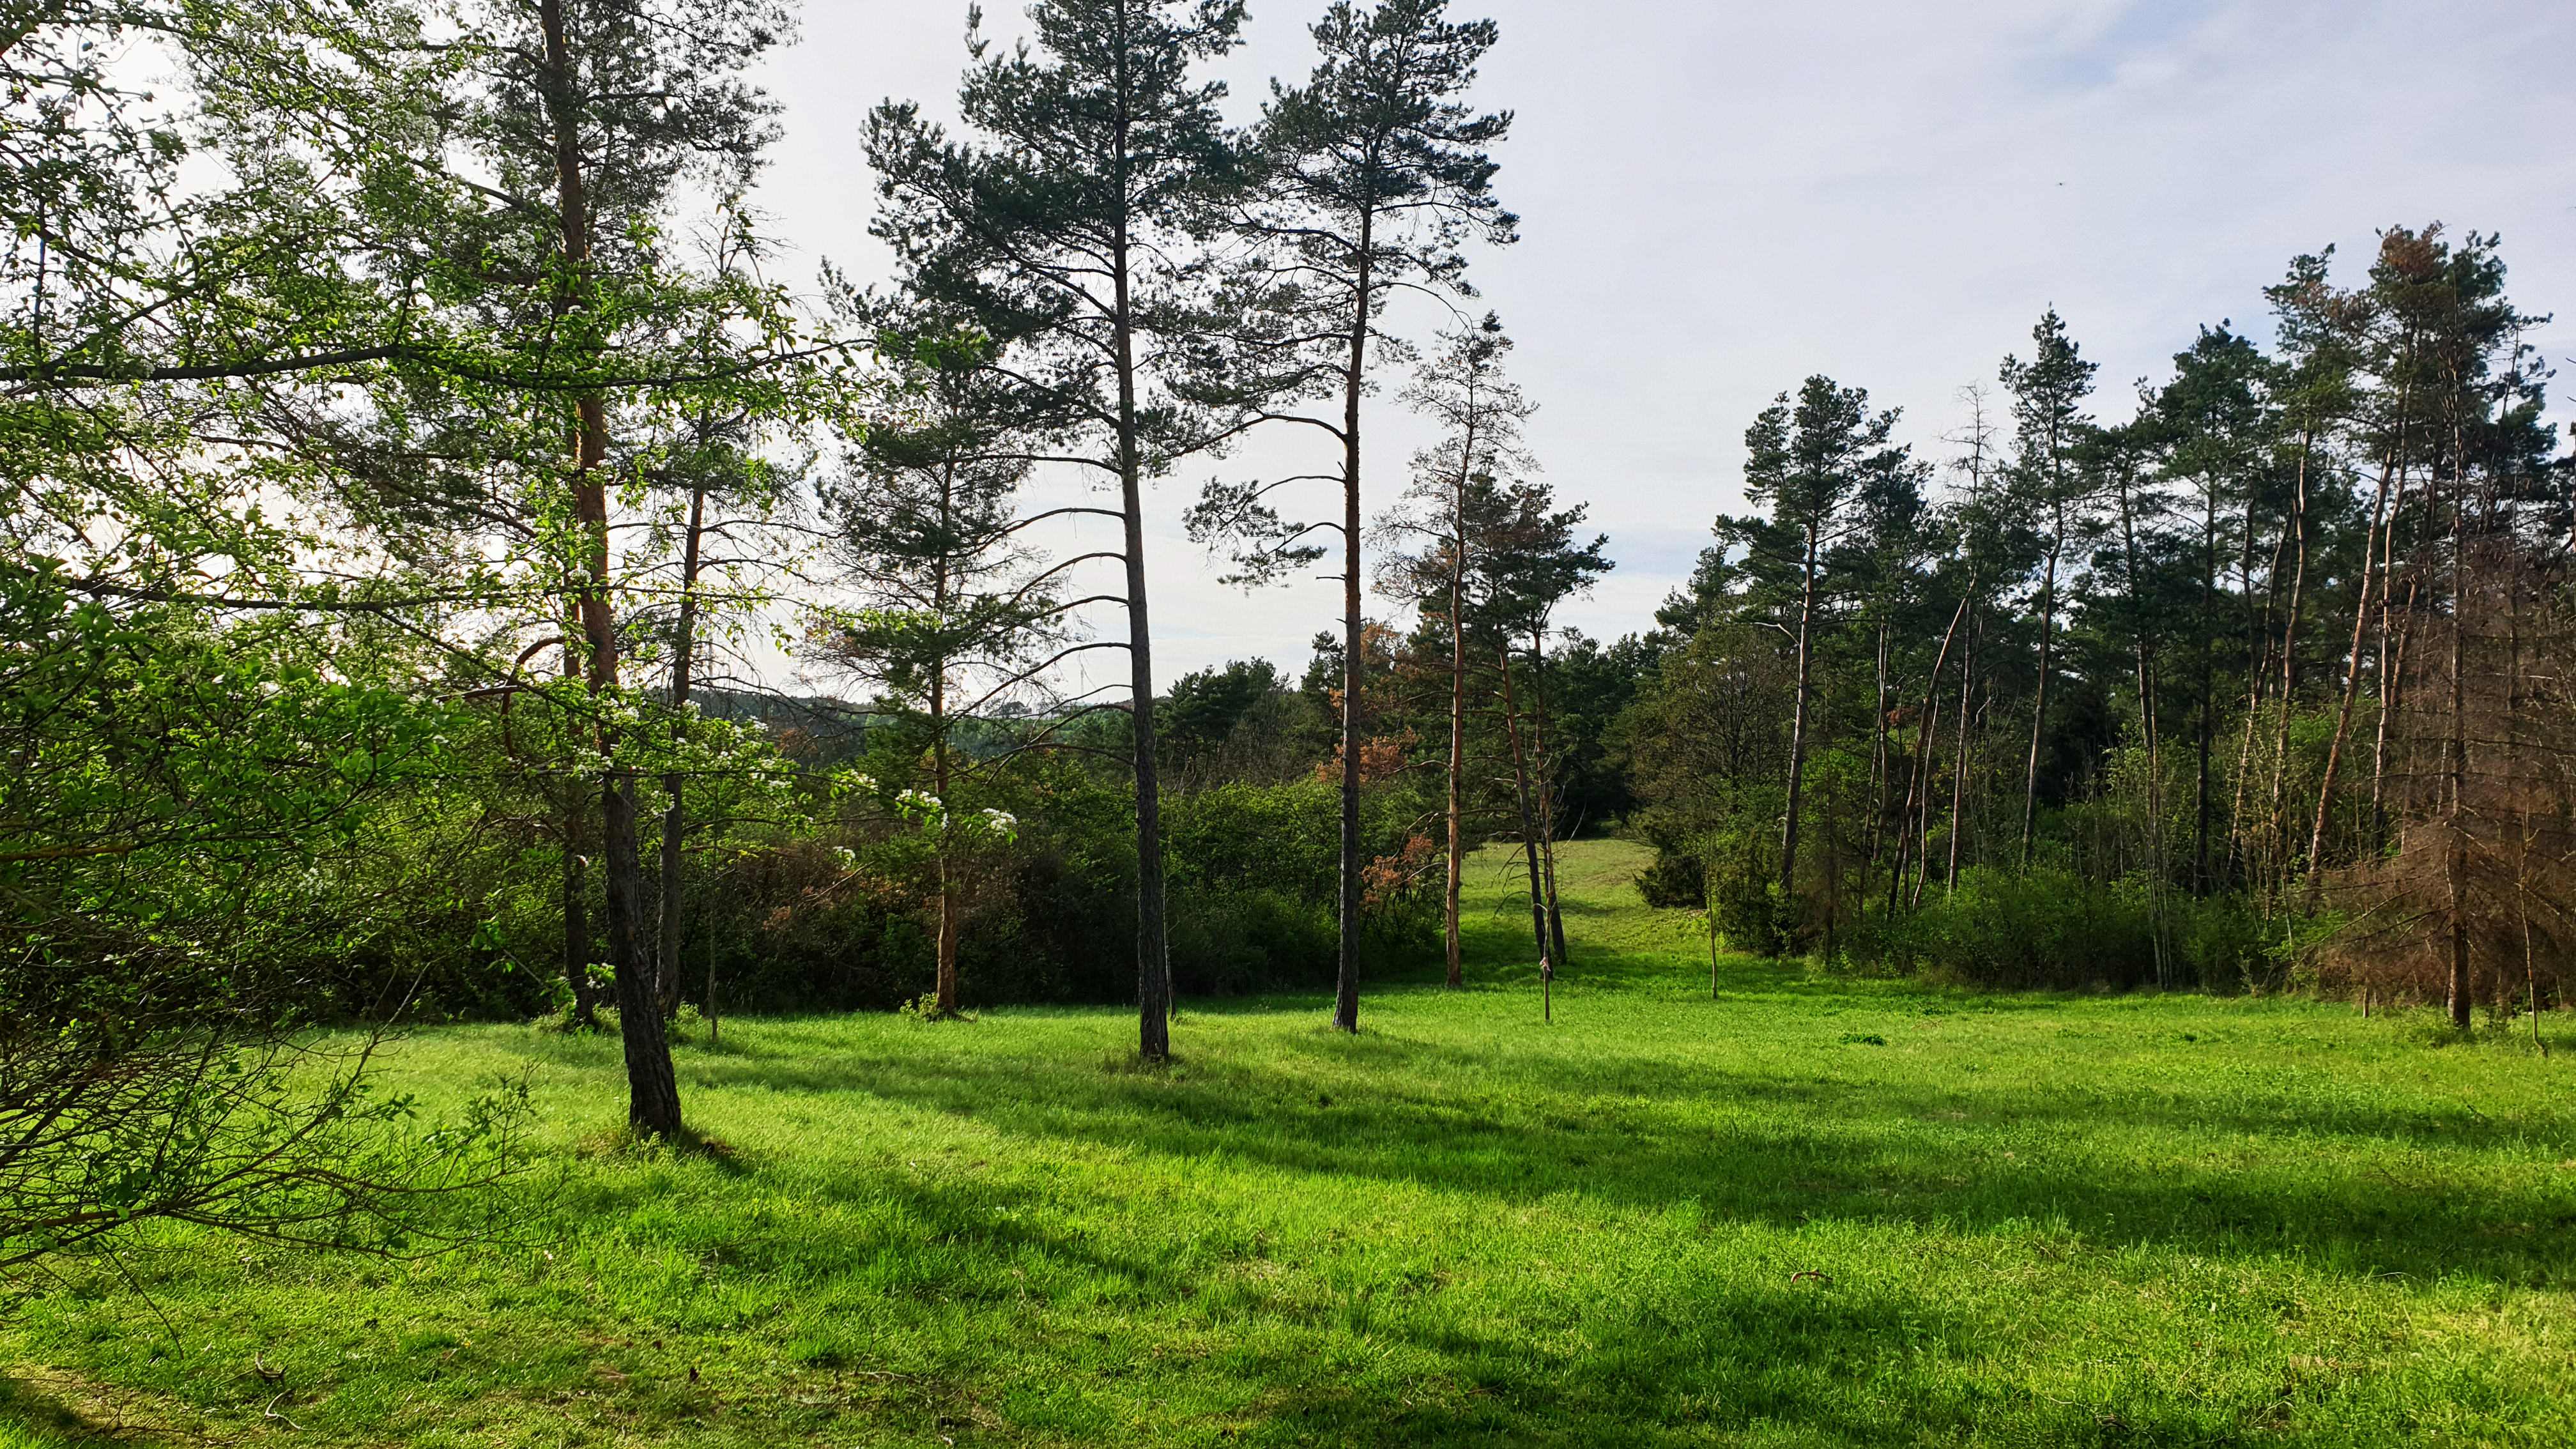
pixel 409 436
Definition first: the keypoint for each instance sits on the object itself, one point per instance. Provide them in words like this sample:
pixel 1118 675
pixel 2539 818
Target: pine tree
pixel 1373 174
pixel 1452 515
pixel 1070 240
pixel 1813 463
pixel 955 613
pixel 2048 393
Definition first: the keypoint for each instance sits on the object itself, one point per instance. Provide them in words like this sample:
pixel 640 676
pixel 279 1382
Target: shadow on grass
pixel 2219 1166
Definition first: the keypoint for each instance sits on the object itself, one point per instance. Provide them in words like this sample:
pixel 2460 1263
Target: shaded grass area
pixel 1809 1211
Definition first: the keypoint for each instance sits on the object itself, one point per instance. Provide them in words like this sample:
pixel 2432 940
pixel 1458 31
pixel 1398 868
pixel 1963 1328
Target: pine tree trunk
pixel 1959 759
pixel 1346 990
pixel 1918 779
pixel 1457 751
pixel 1546 796
pixel 1798 725
pixel 2276 879
pixel 653 1093
pixel 941 784
pixel 1153 952
pixel 1529 819
pixel 675 823
pixel 2039 703
pixel 576 890
pixel 2371 543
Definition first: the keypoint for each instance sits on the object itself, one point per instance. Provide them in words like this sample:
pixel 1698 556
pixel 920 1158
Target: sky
pixel 1719 200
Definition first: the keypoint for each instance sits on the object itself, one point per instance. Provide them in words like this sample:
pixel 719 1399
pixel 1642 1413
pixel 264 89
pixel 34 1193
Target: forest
pixel 490 657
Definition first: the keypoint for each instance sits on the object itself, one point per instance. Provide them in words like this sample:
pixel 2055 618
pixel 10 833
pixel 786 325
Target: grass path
pixel 1809 1211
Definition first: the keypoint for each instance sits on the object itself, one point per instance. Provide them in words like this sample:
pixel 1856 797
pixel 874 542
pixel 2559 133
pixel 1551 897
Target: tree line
pixel 411 442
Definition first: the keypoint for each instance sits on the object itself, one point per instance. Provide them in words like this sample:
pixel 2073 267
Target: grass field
pixel 1812 1211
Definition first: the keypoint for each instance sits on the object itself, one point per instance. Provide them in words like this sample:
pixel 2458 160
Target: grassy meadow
pixel 1810 1211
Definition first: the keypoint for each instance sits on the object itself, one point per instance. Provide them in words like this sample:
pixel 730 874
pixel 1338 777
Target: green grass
pixel 1814 1211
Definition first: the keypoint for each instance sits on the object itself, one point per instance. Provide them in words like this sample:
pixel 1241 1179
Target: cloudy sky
pixel 1719 199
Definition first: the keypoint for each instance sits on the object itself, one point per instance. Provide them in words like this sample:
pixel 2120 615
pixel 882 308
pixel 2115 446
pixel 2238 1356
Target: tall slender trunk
pixel 2258 673
pixel 2392 652
pixel 2208 728
pixel 2039 705
pixel 2456 787
pixel 941 783
pixel 2279 811
pixel 1546 792
pixel 1529 819
pixel 576 890
pixel 1918 779
pixel 1879 771
pixel 1153 958
pixel 675 824
pixel 653 1091
pixel 1798 721
pixel 1959 757
pixel 1346 990
pixel 2351 686
pixel 2156 869
pixel 1457 741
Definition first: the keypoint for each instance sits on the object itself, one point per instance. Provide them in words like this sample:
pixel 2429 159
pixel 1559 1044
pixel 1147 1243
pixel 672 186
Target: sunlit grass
pixel 1809 1211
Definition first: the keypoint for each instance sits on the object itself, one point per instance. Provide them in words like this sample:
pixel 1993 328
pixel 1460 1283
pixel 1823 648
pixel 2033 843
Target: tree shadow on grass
pixel 2219 1168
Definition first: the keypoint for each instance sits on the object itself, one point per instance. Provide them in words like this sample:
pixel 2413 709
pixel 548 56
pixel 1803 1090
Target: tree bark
pixel 1798 720
pixel 2039 703
pixel 1153 957
pixel 1457 736
pixel 2280 804
pixel 1346 989
pixel 2351 691
pixel 653 1104
pixel 675 823
pixel 576 892
pixel 1529 820
pixel 1546 795
pixel 1959 759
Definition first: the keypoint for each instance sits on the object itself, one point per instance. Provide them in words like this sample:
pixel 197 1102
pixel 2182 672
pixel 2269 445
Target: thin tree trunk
pixel 1346 991
pixel 2200 806
pixel 2458 763
pixel 653 1091
pixel 2258 671
pixel 2039 705
pixel 1879 772
pixel 1959 759
pixel 576 892
pixel 1798 725
pixel 1153 959
pixel 2392 674
pixel 1457 745
pixel 666 956
pixel 2156 881
pixel 1918 780
pixel 2351 696
pixel 2279 813
pixel 1529 819
pixel 1546 795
